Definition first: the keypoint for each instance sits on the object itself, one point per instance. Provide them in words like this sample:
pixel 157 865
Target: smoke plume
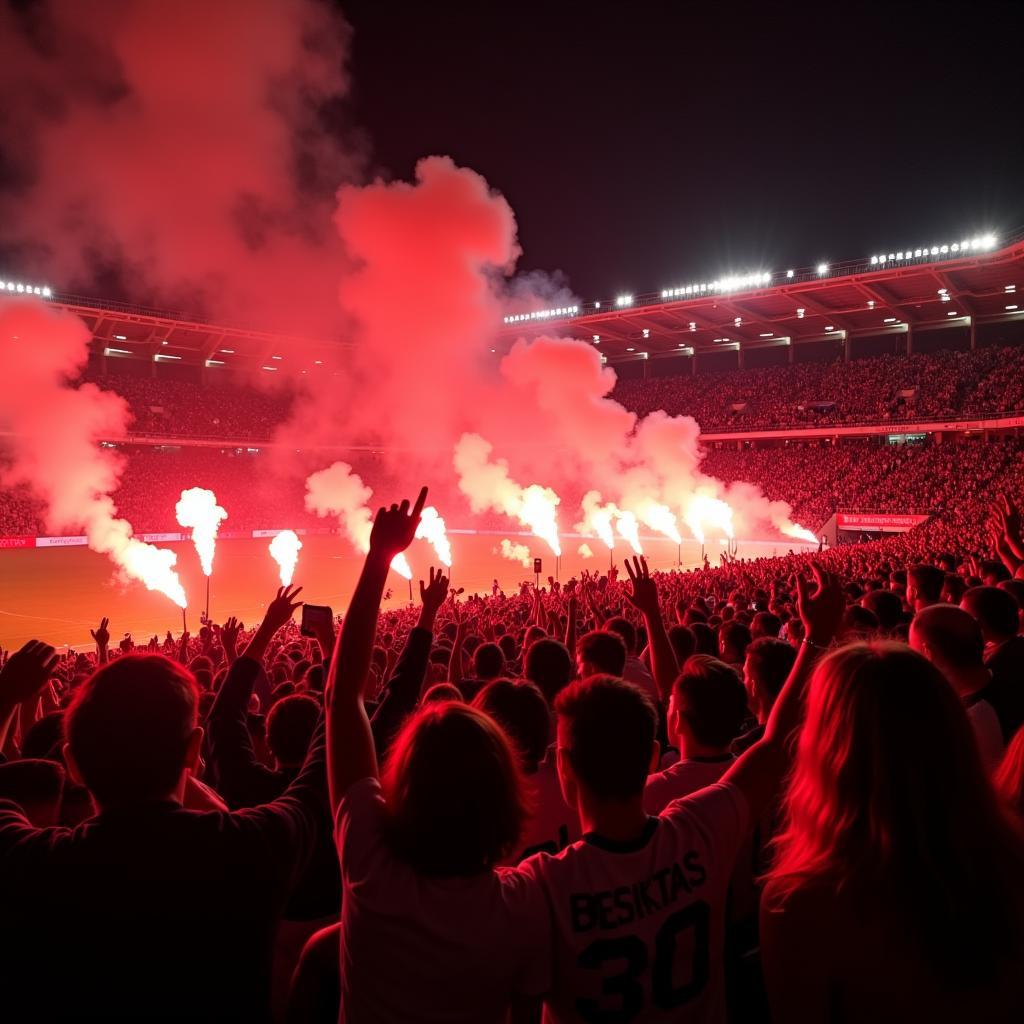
pixel 52 439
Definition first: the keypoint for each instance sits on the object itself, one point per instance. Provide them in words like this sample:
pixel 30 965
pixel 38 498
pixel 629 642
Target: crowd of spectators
pixel 943 384
pixel 187 409
pixel 883 389
pixel 787 789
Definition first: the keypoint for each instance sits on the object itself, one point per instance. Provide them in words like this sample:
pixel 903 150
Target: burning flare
pixel 284 549
pixel 432 529
pixel 198 510
pixel 488 485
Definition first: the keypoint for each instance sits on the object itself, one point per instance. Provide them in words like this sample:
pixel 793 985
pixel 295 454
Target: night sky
pixel 644 145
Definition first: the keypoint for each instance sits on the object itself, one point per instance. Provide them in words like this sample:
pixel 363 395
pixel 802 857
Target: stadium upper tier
pixel 888 390
pixel 831 308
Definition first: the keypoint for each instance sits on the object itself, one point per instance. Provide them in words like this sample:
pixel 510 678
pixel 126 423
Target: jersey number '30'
pixel 627 985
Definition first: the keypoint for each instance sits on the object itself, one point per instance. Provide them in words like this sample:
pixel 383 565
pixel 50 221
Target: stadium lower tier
pixel 953 481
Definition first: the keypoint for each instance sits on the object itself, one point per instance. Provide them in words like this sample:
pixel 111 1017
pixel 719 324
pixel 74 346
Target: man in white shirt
pixel 638 905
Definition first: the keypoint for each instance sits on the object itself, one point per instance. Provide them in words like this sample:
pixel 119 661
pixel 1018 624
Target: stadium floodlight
pixel 161 357
pixel 116 352
pixel 1011 307
pixel 830 328
pixel 597 305
pixel 630 349
pixel 624 300
pixel 874 261
pixel 227 351
pixel 952 312
pixel 989 241
pixel 318 362
pixel 597 339
pixel 277 357
pixel 120 337
pixel 789 273
pixel 871 303
pixel 822 269
pixel 738 322
pixel 645 355
pixel 765 335
pixel 800 314
pixel 1010 288
pixel 220 362
pixel 693 326
pixel 272 369
pixel 889 320
pixel 646 333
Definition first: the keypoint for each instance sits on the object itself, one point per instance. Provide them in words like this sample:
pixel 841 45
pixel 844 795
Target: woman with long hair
pixel 432 929
pixel 896 886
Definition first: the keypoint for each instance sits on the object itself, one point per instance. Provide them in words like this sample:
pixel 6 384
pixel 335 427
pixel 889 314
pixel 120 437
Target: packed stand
pixel 938 385
pixel 185 409
pixel 787 789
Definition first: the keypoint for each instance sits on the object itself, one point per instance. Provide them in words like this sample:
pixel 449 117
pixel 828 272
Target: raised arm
pixel 351 754
pixel 759 771
pixel 24 674
pixel 644 597
pixel 455 663
pixel 402 690
pixel 102 637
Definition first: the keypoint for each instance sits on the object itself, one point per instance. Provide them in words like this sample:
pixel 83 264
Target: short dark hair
pixel 766 624
pixel 706 640
pixel 886 605
pixel 548 664
pixel 290 725
pixel 129 725
pixel 604 650
pixel 488 661
pixel 769 662
pixel 611 726
pixel 521 710
pixel 709 695
pixel 996 609
pixel 684 643
pixel 736 635
pixel 625 629
pixel 32 783
pixel 928 580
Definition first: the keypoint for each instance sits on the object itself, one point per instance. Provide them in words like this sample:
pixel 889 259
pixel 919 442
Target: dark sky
pixel 649 144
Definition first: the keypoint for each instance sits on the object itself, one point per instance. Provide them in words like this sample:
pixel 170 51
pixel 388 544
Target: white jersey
pixel 681 779
pixel 639 928
pixel 425 949
pixel 554 824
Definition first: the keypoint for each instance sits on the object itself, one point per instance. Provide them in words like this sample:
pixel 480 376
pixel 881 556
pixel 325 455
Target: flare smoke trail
pixel 53 433
pixel 206 150
pixel 515 552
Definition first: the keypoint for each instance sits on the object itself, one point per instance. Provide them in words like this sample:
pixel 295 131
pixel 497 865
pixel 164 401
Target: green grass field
pixel 59 594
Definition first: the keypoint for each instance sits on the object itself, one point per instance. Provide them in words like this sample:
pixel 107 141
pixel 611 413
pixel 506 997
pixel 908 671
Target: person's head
pixel 625 629
pixel 996 611
pixel 706 708
pixel 888 792
pixel 684 643
pixel 949 638
pixel 132 732
pixel 488 661
pixel 924 586
pixel 314 678
pixel 454 791
pixel 707 642
pixel 290 725
pixel 507 643
pixel 548 664
pixel 765 624
pixel 859 624
pixel 532 635
pixel 201 668
pixel 37 786
pixel 438 692
pixel 600 652
pixel 606 741
pixel 765 670
pixel 733 639
pixel 953 588
pixel 521 710
pixel 886 606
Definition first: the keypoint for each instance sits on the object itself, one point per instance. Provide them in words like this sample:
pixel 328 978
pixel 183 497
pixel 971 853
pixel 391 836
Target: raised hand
pixel 395 527
pixel 25 672
pixel 229 633
pixel 434 593
pixel 101 634
pixel 644 591
pixel 281 609
pixel 821 610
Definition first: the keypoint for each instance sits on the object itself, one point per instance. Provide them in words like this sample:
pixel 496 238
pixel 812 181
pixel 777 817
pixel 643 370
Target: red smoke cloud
pixel 183 143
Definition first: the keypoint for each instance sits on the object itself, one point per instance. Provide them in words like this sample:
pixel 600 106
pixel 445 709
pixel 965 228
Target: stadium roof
pixel 930 287
pixel 956 284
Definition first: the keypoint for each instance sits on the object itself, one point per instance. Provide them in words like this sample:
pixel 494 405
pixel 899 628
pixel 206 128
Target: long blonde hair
pixel 888 791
